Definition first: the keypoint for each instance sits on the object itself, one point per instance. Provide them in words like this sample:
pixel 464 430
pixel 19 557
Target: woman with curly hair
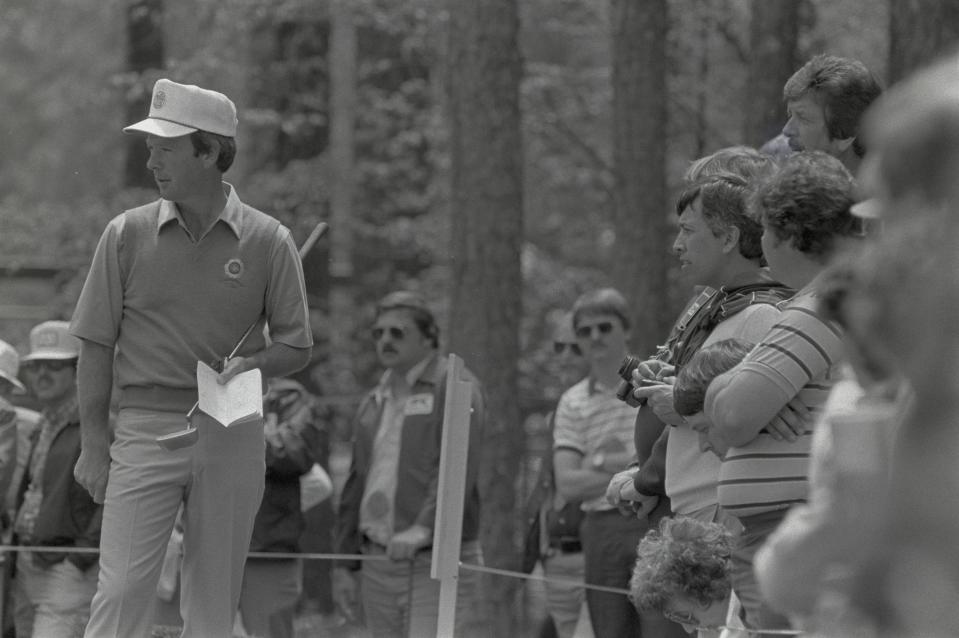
pixel 683 571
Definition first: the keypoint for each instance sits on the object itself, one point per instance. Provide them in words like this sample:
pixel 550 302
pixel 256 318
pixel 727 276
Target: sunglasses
pixel 560 347
pixel 396 333
pixel 585 332
pixel 53 365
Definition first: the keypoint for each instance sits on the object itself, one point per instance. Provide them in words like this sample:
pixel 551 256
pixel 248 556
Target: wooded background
pixel 502 156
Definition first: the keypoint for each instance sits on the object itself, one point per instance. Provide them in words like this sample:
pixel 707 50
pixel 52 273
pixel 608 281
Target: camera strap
pixel 704 314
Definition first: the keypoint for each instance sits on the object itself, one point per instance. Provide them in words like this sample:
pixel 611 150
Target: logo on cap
pixel 46 339
pixel 233 268
pixel 159 99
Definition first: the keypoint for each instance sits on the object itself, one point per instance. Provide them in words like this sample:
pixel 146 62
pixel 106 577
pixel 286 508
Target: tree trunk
pixel 487 222
pixel 640 209
pixel 144 26
pixel 773 39
pixel 342 69
pixel 919 31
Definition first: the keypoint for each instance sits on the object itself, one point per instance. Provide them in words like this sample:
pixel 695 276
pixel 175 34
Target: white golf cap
pixel 52 340
pixel 10 365
pixel 180 109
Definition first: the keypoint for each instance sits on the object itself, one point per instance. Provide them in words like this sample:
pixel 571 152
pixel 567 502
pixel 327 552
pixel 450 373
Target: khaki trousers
pixel 219 480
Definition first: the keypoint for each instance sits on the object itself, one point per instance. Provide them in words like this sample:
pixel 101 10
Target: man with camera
pixel 718 244
pixel 593 437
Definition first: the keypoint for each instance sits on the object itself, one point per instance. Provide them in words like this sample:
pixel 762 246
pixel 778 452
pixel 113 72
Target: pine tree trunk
pixel 487 230
pixel 773 38
pixel 640 254
pixel 144 27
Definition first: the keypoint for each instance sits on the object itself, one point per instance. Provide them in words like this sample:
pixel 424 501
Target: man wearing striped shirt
pixel 805 216
pixel 593 438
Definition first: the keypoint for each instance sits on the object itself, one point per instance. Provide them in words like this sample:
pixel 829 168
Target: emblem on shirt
pixel 159 99
pixel 233 268
pixel 418 404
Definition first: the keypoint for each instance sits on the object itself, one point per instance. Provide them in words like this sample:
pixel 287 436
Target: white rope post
pixel 448 528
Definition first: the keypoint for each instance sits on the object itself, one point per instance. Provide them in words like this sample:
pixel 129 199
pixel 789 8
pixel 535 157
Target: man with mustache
pixel 825 100
pixel 174 282
pixel 53 589
pixel 388 504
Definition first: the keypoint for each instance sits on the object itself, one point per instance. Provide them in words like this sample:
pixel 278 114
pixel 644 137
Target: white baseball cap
pixel 10 365
pixel 52 340
pixel 180 109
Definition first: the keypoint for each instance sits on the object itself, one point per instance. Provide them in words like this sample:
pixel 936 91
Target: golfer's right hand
pixel 344 588
pixel 91 471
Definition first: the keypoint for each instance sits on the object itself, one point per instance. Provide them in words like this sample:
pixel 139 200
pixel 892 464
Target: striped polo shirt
pixel 590 419
pixel 800 355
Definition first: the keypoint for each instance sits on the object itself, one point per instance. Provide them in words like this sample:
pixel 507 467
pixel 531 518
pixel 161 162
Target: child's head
pixel 689 391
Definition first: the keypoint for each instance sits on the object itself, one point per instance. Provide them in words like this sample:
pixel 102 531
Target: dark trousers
pixel 609 545
pixel 756 529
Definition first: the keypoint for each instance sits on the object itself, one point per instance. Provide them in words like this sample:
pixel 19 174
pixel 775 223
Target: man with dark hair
pixel 388 504
pixel 53 589
pixel 806 221
pixel 825 100
pixel 592 438
pixel 173 283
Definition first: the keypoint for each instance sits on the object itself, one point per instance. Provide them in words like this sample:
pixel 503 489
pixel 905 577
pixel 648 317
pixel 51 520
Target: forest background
pixel 501 156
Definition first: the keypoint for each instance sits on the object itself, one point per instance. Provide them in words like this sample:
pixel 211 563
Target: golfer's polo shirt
pixel 166 299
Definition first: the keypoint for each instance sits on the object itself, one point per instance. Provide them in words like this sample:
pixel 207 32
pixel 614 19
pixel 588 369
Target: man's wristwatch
pixel 598 460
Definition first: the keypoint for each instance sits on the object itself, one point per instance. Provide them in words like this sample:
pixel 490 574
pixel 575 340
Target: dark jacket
pixel 299 440
pixel 418 467
pixel 68 516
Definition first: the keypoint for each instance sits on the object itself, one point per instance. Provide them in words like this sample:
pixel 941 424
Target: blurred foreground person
pixel 805 565
pixel 388 504
pixel 53 590
pixel 908 584
pixel 172 283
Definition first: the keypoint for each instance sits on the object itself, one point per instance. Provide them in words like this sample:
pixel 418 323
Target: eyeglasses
pixel 686 618
pixel 585 332
pixel 681 617
pixel 53 365
pixel 559 347
pixel 396 333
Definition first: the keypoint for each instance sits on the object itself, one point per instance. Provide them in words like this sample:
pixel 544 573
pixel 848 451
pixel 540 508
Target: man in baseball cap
pixel 52 508
pixel 181 109
pixel 174 282
pixel 9 370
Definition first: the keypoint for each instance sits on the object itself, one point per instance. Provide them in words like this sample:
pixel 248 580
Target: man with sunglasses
pixel 593 438
pixel 53 590
pixel 388 503
pixel 553 522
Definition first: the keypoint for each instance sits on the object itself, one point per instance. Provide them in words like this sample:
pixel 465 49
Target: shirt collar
pixel 231 214
pixel 66 412
pixel 383 389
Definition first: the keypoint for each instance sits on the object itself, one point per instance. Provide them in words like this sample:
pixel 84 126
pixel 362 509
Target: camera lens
pixel 629 364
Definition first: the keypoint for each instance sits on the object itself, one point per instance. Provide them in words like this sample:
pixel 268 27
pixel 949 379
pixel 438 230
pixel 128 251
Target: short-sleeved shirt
pixel 801 356
pixel 379 493
pixel 166 299
pixel 691 474
pixel 590 419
